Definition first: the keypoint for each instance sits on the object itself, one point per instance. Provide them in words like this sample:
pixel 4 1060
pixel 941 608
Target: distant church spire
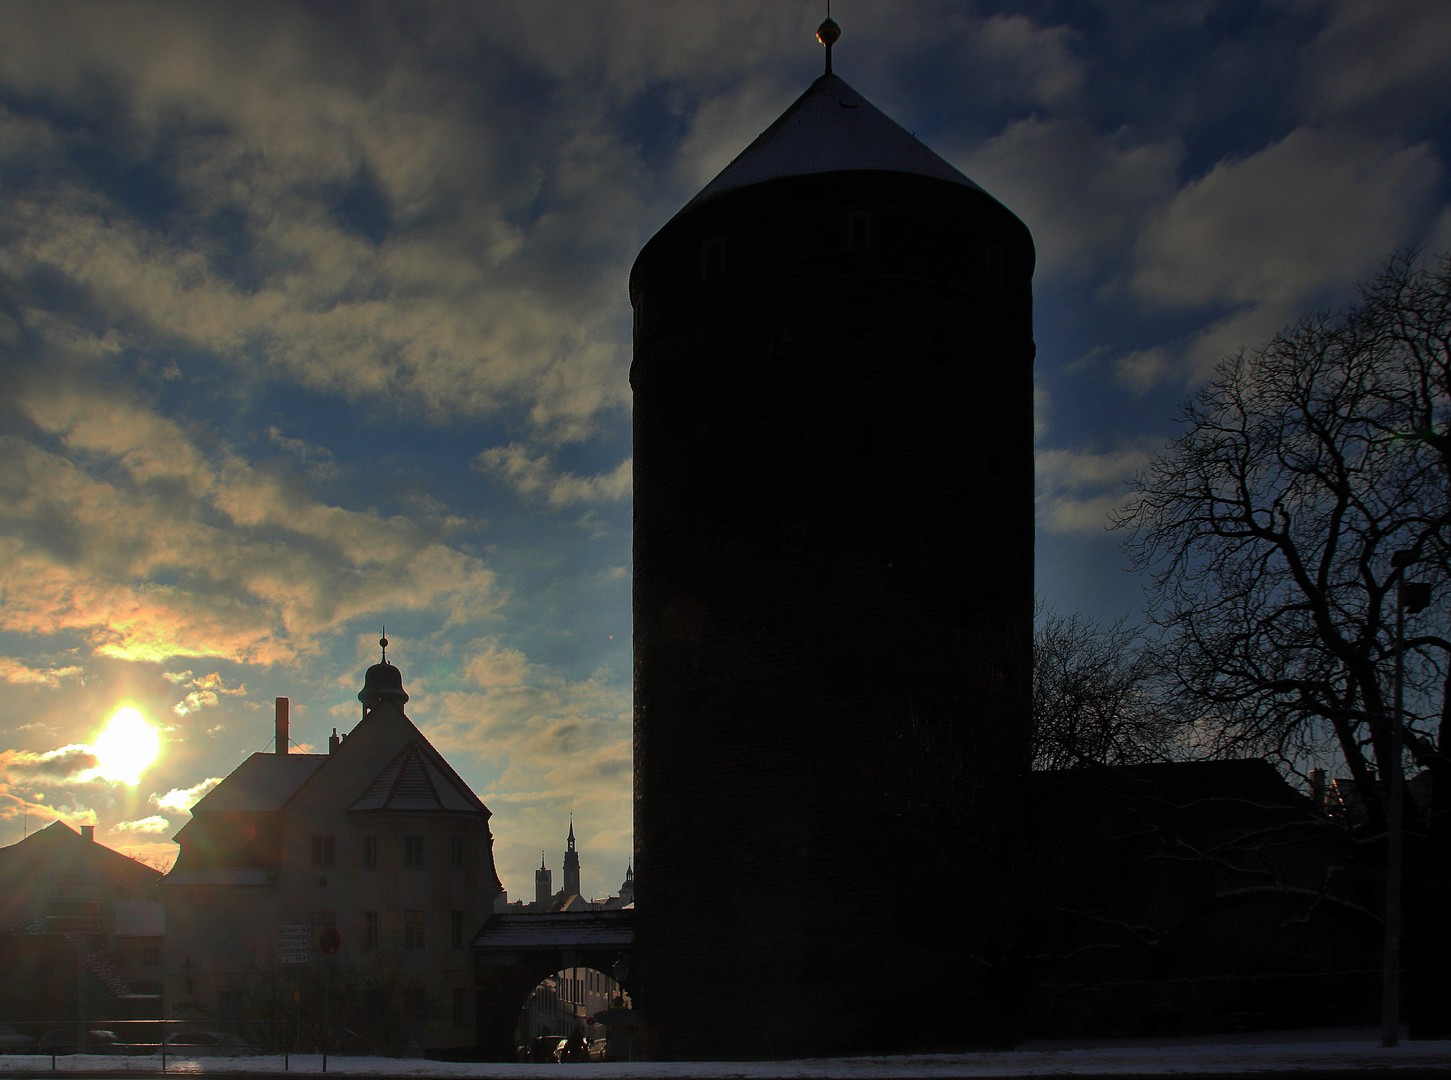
pixel 571 864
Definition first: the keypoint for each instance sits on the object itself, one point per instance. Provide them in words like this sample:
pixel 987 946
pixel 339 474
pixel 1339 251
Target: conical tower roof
pixel 830 128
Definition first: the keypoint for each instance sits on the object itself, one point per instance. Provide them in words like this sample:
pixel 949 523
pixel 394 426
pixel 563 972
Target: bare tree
pixel 1270 524
pixel 1093 699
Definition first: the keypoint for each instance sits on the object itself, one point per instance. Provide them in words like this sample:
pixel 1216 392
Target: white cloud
pixel 1079 489
pixel 1038 61
pixel 1082 193
pixel 206 692
pixel 183 799
pixel 536 477
pixel 1143 368
pixel 153 824
pixel 1313 211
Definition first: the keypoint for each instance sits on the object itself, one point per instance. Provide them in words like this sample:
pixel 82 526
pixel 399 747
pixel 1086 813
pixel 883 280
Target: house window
pixel 370 929
pixel 456 850
pixel 151 956
pixel 324 849
pixel 413 851
pixel 456 929
pixel 460 1003
pixel 413 929
pixel 370 853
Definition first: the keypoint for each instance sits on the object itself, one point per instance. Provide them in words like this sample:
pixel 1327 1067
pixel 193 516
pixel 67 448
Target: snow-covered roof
pixel 262 782
pixel 830 128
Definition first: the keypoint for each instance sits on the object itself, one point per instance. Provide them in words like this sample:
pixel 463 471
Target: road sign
pixel 329 941
pixel 289 956
pixel 291 929
pixel 292 942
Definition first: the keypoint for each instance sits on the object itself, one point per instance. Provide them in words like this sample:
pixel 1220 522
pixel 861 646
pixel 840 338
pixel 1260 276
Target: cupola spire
pixel 382 682
pixel 827 33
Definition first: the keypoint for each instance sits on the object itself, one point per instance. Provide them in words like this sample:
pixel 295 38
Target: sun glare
pixel 127 746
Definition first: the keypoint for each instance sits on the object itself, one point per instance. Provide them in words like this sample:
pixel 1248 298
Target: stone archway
pixel 514 953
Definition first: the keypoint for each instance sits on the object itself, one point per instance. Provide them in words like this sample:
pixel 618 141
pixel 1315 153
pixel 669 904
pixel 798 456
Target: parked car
pixel 15 1042
pixel 545 1047
pixel 206 1044
pixel 76 1041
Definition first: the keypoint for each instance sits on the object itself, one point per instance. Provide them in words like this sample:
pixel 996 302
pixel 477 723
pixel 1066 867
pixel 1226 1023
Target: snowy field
pixel 1285 1052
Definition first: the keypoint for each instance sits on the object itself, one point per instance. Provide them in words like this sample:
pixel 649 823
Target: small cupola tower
pixel 383 683
pixel 571 864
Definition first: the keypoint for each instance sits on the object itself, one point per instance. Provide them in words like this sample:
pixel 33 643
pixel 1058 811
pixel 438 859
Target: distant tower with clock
pixel 833 592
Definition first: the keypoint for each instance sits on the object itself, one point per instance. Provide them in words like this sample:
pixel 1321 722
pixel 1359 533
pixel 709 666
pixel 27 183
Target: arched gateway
pixel 514 953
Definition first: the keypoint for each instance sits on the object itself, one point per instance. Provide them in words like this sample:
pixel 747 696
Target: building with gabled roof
pixel 370 866
pixel 79 929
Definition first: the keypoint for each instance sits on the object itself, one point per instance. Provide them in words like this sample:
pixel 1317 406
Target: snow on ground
pixel 1282 1052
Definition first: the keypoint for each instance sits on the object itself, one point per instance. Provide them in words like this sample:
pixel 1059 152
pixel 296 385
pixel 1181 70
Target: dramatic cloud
pixel 18 673
pixel 536 478
pixel 66 764
pixel 153 547
pixel 315 318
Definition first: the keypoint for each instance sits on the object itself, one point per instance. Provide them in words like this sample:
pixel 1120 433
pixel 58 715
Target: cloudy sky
pixel 313 318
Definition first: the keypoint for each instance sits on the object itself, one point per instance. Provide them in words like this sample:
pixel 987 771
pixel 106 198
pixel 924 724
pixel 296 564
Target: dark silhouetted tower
pixel 571 864
pixel 833 594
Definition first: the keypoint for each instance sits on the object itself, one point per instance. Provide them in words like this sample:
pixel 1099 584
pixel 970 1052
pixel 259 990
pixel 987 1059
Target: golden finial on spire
pixel 827 33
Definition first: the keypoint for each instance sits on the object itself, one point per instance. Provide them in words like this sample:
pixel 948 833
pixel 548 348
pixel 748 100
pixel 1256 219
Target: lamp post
pixel 1411 596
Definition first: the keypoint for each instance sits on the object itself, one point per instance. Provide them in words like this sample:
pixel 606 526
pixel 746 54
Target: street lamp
pixel 1411 597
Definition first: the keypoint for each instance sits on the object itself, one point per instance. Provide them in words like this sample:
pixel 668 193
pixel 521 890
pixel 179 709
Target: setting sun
pixel 126 747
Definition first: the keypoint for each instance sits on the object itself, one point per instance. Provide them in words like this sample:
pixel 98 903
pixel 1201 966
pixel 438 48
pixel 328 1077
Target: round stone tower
pixel 833 595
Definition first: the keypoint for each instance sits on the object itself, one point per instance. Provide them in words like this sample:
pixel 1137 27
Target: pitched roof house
pixel 78 928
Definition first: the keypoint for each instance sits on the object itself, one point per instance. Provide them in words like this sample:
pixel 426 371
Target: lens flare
pixel 126 748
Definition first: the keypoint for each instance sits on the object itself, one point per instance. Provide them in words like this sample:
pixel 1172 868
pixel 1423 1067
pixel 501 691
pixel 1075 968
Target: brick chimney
pixel 282 725
pixel 88 833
